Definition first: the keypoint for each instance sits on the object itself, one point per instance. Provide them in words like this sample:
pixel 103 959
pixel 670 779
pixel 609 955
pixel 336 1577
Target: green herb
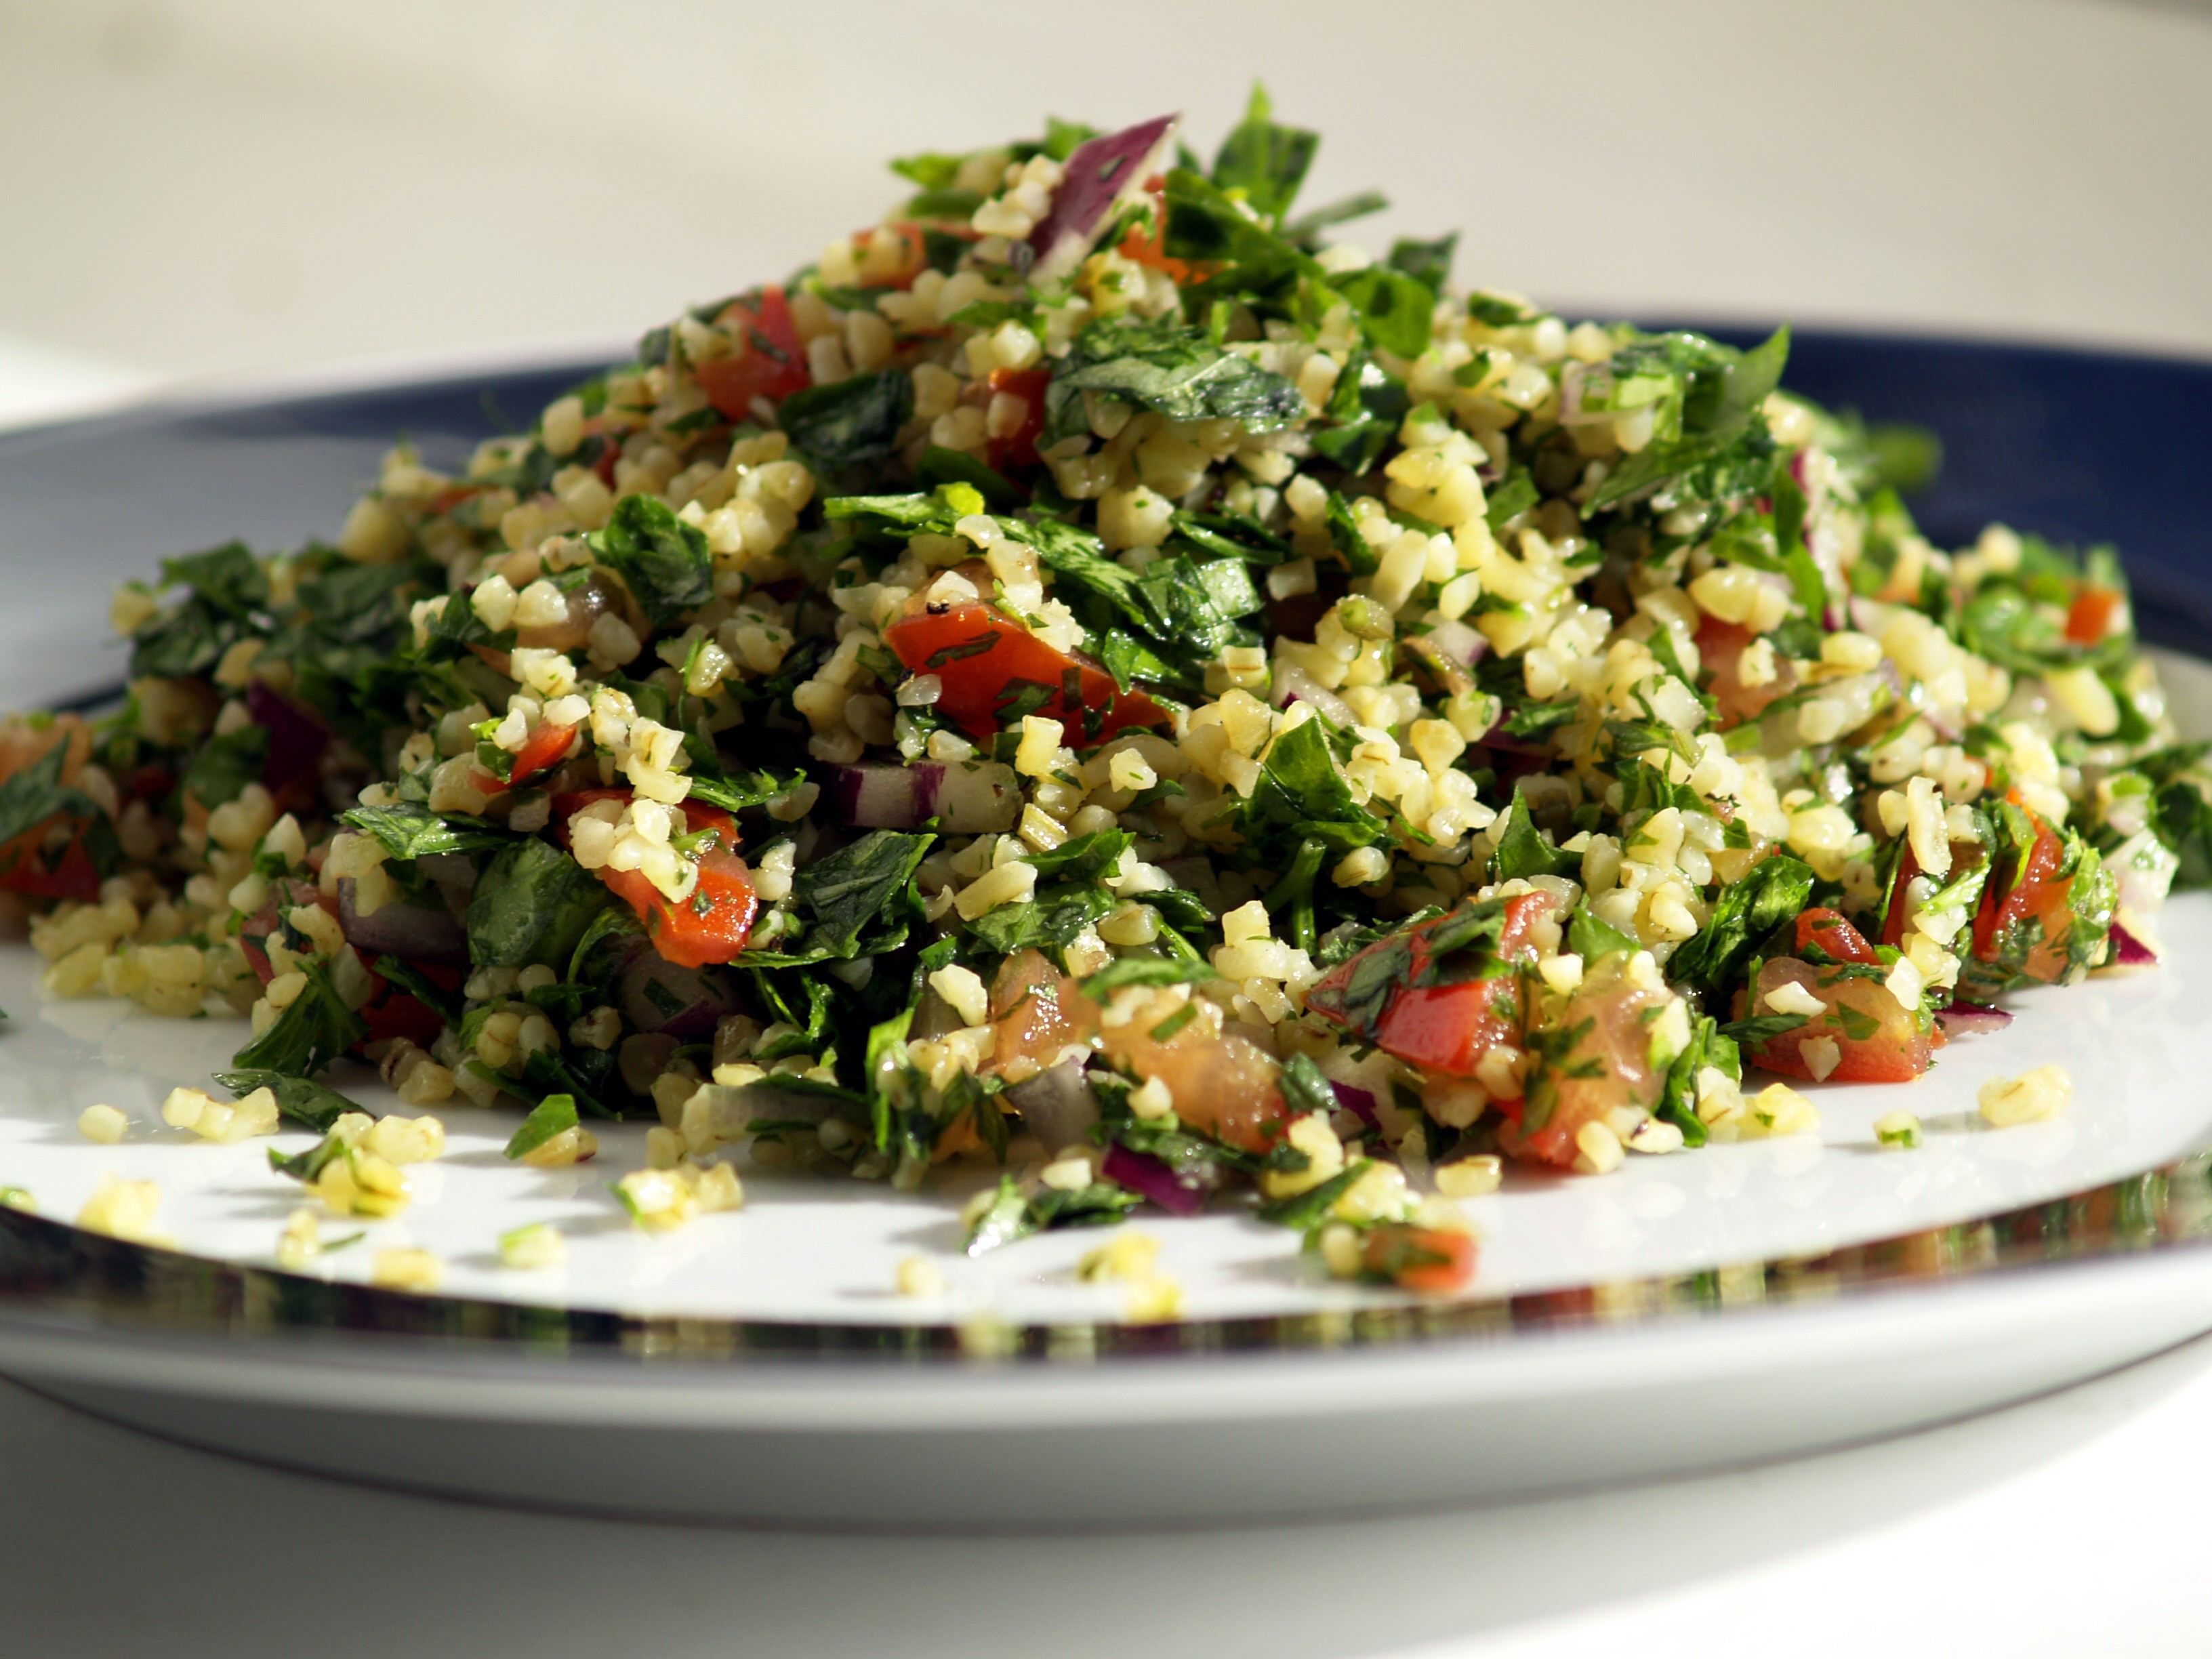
pixel 1304 1211
pixel 556 1115
pixel 1302 790
pixel 1265 161
pixel 312 1030
pixel 663 561
pixel 301 1099
pixel 1428 264
pixel 1760 1029
pixel 1523 850
pixel 36 793
pixel 1009 1216
pixel 408 831
pixel 1773 892
pixel 1393 308
pixel 849 420
pixel 533 903
pixel 1592 937
pixel 1174 370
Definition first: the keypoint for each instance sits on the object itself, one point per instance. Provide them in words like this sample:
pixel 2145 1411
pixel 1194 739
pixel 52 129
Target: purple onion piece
pixel 887 797
pixel 1963 1017
pixel 2128 950
pixel 684 1003
pixel 409 931
pixel 1058 1106
pixel 1102 174
pixel 1149 1177
pixel 296 740
pixel 1360 1102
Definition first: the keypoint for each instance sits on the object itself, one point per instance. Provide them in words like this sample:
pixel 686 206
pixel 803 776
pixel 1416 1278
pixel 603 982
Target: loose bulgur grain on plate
pixel 1094 676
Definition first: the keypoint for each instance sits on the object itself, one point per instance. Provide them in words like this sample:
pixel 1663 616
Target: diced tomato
pixel 71 875
pixel 1607 1066
pixel 1222 1083
pixel 2089 619
pixel 397 1014
pixel 770 363
pixel 1036 1012
pixel 985 658
pixel 1149 248
pixel 713 924
pixel 1420 1258
pixel 1877 1038
pixel 1018 447
pixel 1828 930
pixel 1450 1028
pixel 541 751
pixel 2035 893
pixel 1720 649
pixel 1446 1028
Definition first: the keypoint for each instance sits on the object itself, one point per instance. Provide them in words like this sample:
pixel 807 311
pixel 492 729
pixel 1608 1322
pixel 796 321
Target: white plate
pixel 1710 1305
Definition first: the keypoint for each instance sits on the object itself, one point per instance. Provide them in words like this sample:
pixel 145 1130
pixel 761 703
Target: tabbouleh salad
pixel 1096 677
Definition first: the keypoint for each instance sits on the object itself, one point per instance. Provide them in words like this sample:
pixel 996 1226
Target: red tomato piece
pixel 1720 648
pixel 771 363
pixel 544 749
pixel 1018 447
pixel 1445 1028
pixel 71 876
pixel 2089 619
pixel 2034 893
pixel 1449 1028
pixel 712 925
pixel 1420 1258
pixel 1877 1038
pixel 984 657
pixel 1608 1067
pixel 1149 248
pixel 1828 930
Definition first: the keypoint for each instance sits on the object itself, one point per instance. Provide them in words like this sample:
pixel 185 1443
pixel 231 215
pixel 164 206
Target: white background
pixel 245 187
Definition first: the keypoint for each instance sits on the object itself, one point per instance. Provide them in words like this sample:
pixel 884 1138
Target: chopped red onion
pixel 2128 950
pixel 413 933
pixel 886 797
pixel 1149 1177
pixel 1962 1017
pixel 1360 1102
pixel 965 801
pixel 1099 177
pixel 297 739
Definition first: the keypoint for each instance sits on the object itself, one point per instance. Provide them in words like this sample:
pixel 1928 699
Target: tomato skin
pixel 977 686
pixel 1609 1067
pixel 1387 1248
pixel 543 750
pixel 1897 1051
pixel 683 933
pixel 2036 893
pixel 1018 447
pixel 2089 619
pixel 1149 248
pixel 1828 930
pixel 1449 1028
pixel 773 364
pixel 71 877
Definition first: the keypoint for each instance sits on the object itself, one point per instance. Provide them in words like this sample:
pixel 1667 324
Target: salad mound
pixel 1096 677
